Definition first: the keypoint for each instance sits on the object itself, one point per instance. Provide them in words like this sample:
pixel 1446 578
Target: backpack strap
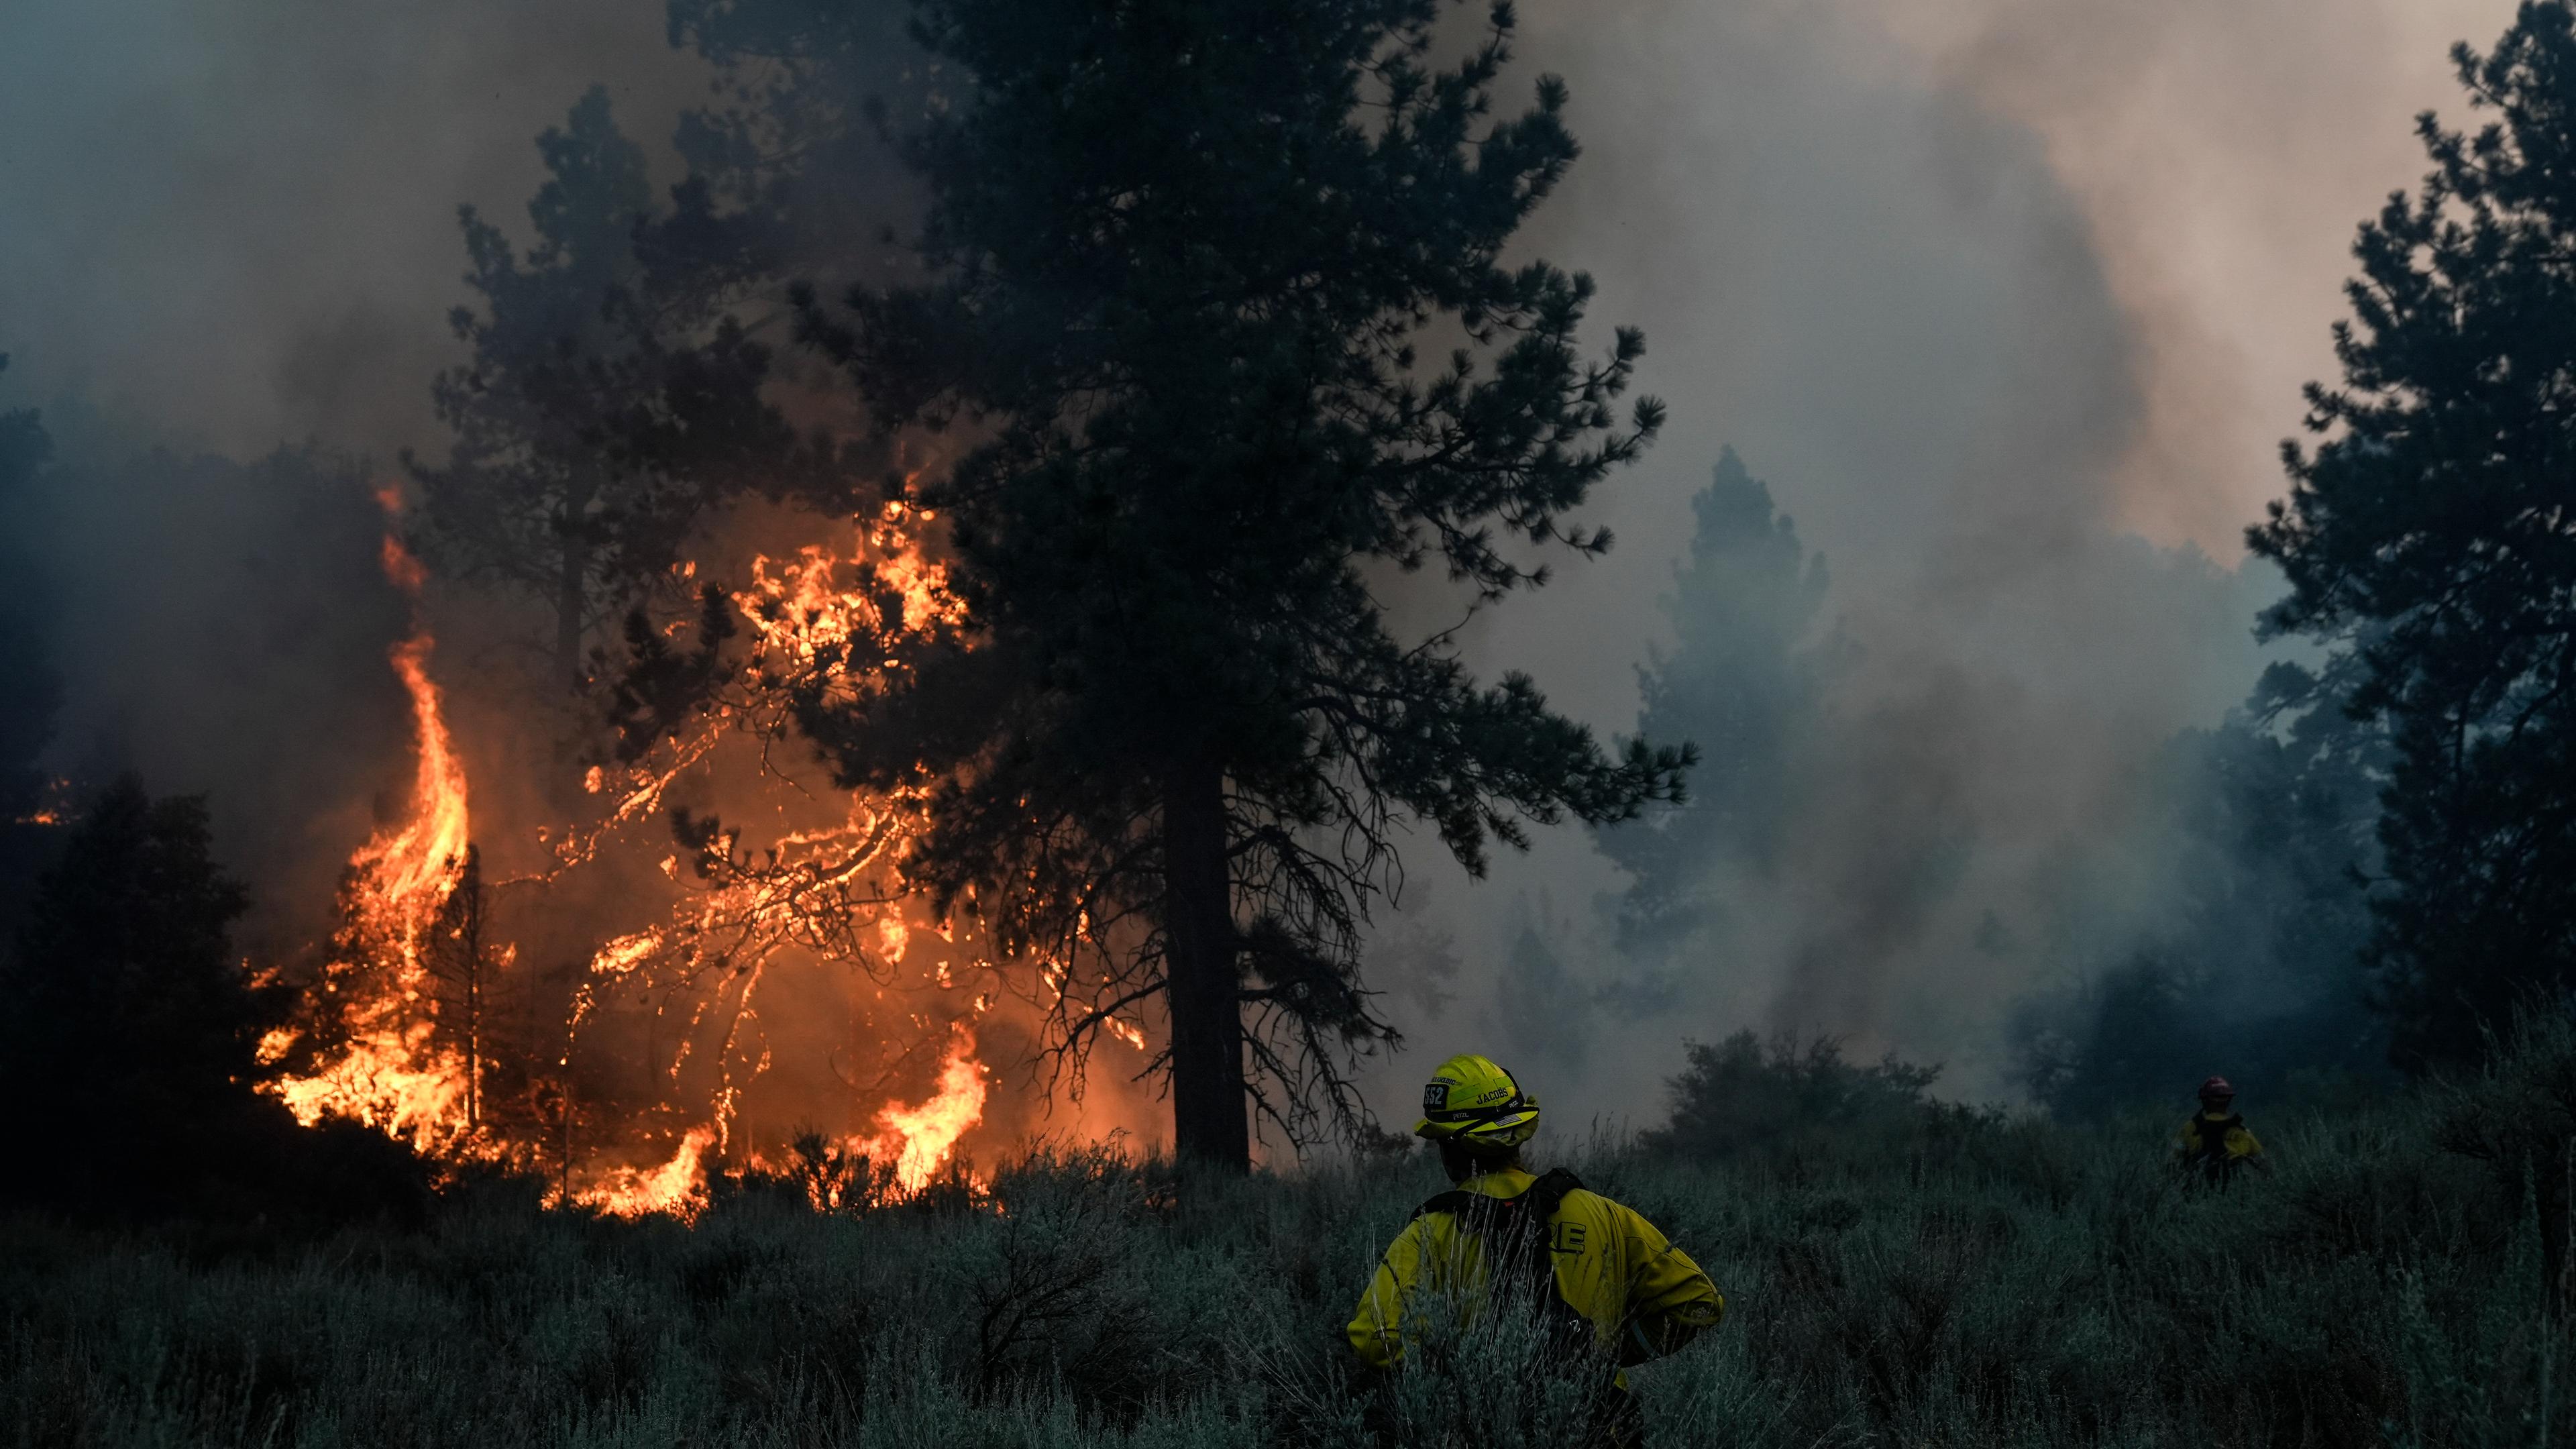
pixel 1455 1200
pixel 1518 1227
pixel 1548 1193
pixel 2216 1166
pixel 1542 1197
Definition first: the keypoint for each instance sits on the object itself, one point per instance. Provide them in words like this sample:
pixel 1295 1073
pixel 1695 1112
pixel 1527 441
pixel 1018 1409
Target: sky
pixel 2009 300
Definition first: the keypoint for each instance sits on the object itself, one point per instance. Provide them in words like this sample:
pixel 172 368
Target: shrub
pixel 1783 1099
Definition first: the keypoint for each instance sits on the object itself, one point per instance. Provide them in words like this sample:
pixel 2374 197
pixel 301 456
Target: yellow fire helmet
pixel 1475 1103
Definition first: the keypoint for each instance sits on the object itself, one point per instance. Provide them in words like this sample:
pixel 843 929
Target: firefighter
pixel 2215 1143
pixel 1604 1283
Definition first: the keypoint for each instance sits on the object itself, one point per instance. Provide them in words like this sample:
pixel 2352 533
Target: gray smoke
pixel 2006 299
pixel 225 231
pixel 2009 303
pixel 237 221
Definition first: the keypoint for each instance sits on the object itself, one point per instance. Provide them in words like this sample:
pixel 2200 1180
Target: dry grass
pixel 2402 1279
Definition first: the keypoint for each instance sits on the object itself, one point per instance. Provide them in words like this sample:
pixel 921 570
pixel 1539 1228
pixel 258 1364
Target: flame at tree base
pixel 677 1188
pixel 384 1064
pixel 920 1140
pixel 906 1155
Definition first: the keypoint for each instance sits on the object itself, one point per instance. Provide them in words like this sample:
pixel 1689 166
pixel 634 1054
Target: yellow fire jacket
pixel 2239 1144
pixel 1643 1296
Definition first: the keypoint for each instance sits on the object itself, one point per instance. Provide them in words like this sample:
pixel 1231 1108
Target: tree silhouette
pixel 613 400
pixel 464 964
pixel 2429 535
pixel 1745 680
pixel 131 1041
pixel 127 1021
pixel 2256 966
pixel 1187 257
pixel 30 685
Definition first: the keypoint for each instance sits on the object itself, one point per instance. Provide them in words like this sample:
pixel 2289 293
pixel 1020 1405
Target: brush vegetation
pixel 2402 1277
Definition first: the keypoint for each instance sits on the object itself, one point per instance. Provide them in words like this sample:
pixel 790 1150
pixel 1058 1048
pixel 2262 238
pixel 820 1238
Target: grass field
pixel 2402 1277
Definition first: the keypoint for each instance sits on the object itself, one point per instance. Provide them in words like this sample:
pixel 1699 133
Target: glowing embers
pixel 837 627
pixel 54 807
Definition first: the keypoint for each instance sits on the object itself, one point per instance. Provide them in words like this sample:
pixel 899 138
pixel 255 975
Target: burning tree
pixel 614 398
pixel 372 1047
pixel 1187 254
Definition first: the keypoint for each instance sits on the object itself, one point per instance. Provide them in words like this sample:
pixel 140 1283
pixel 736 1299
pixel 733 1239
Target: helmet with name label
pixel 1473 1102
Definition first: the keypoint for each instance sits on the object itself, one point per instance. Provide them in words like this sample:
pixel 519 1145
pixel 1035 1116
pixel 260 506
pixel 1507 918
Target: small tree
pixel 127 1028
pixel 457 956
pixel 1188 255
pixel 2430 534
pixel 30 686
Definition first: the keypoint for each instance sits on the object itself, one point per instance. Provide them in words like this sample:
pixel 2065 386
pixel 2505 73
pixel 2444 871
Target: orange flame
pixel 415 868
pixel 390 1072
pixel 677 1187
pixel 921 1139
pixel 831 890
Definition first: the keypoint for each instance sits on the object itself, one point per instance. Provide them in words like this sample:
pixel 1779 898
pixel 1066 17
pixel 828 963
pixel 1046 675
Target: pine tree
pixel 613 400
pixel 1187 256
pixel 30 685
pixel 125 1021
pixel 1745 679
pixel 789 175
pixel 2429 535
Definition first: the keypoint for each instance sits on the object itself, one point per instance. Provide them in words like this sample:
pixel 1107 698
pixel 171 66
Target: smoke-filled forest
pixel 1190 722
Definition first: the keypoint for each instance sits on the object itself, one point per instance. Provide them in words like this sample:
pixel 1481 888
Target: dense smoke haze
pixel 236 225
pixel 2007 303
pixel 2010 305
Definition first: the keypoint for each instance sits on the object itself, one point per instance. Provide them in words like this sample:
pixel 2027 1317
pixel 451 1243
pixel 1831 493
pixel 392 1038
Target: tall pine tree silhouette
pixel 30 685
pixel 1744 680
pixel 1188 256
pixel 2429 533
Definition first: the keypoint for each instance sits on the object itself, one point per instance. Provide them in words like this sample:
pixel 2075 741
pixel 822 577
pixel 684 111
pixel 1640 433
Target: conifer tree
pixel 613 401
pixel 30 685
pixel 2429 534
pixel 124 1017
pixel 1223 327
pixel 1745 680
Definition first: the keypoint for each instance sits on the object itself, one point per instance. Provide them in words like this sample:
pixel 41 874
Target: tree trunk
pixel 474 1040
pixel 1203 987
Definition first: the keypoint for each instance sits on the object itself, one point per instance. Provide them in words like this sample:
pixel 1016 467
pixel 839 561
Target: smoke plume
pixel 2006 301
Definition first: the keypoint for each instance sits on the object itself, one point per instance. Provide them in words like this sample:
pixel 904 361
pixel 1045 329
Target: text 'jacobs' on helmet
pixel 1472 1101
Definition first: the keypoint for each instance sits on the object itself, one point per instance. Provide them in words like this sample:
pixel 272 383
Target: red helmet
pixel 2216 1087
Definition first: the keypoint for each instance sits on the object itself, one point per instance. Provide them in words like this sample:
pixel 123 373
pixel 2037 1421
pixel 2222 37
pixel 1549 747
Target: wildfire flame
pixel 54 810
pixel 389 1071
pixel 919 1140
pixel 416 867
pixel 377 1052
pixel 677 1188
